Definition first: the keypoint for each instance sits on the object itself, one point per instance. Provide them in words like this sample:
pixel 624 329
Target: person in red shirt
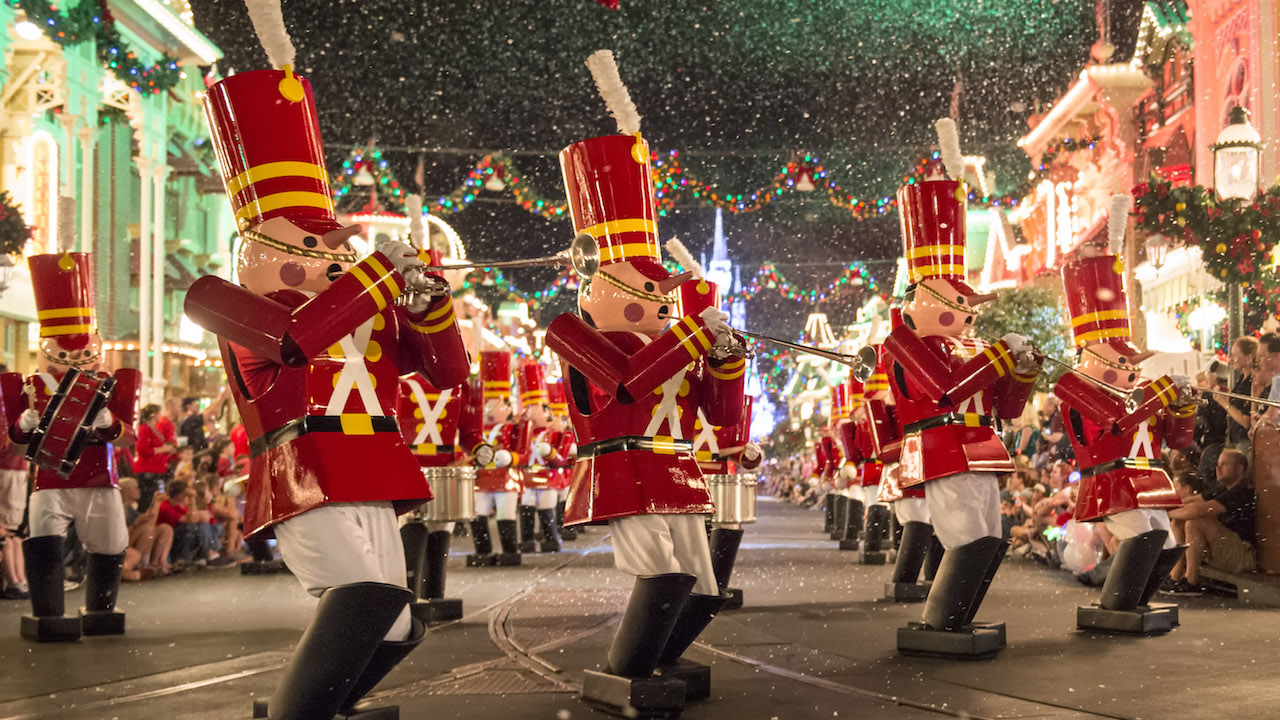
pixel 154 447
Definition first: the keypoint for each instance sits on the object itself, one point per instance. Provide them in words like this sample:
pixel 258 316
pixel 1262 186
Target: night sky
pixel 735 86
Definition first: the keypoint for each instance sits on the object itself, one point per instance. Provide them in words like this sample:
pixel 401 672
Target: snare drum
pixel 64 430
pixel 734 497
pixel 453 491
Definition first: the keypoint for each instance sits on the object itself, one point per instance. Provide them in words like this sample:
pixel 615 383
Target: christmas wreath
pixel 14 232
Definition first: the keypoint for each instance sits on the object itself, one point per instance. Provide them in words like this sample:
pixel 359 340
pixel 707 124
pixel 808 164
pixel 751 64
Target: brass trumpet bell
pixel 864 363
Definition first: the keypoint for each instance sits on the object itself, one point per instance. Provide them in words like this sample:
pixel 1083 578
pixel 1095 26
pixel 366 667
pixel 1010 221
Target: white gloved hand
pixel 483 454
pixel 102 420
pixel 402 256
pixel 502 458
pixel 717 321
pixel 1017 343
pixel 1024 353
pixel 751 451
pixel 28 420
pixel 1184 387
pixel 542 449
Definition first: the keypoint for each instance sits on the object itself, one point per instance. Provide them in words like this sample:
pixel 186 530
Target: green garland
pixel 92 20
pixel 14 231
pixel 1236 239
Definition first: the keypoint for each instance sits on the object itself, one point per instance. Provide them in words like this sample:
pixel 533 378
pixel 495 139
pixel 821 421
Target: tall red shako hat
pixel 267 137
pixel 608 181
pixel 63 285
pixel 558 400
pixel 532 383
pixel 1097 302
pixel 933 234
pixel 495 374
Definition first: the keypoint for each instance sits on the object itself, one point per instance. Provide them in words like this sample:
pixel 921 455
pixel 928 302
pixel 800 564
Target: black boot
pixel 527 515
pixel 567 533
pixel 343 637
pixel 413 535
pixel 101 588
pixel 697 614
pixel 550 533
pixel 851 524
pixel 386 657
pixel 1168 558
pixel 829 512
pixel 874 536
pixel 933 558
pixel 1131 570
pixel 432 606
pixel 484 544
pixel 996 559
pixel 264 560
pixel 724 553
pixel 508 535
pixel 47 621
pixel 961 579
pixel 461 530
pixel 916 537
pixel 839 514
pixel 656 603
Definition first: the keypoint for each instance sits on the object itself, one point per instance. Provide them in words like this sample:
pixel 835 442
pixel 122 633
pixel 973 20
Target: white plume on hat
pixel 681 254
pixel 1117 221
pixel 268 23
pixel 949 145
pixel 66 223
pixel 604 69
pixel 417 227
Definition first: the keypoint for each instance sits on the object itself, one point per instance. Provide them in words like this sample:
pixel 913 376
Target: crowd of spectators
pixel 179 482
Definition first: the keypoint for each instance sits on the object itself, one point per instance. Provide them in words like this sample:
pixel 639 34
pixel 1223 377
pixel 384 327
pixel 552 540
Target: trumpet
pixel 1138 395
pixel 583 255
pixel 862 364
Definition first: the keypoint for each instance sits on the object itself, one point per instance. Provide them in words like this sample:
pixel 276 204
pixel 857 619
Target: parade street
pixel 815 640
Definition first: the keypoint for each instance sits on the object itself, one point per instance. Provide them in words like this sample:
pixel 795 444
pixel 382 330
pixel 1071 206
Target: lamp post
pixel 1157 251
pixel 6 272
pixel 1236 167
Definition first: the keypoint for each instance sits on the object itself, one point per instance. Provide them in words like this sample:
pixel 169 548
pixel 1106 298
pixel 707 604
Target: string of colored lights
pixel 88 20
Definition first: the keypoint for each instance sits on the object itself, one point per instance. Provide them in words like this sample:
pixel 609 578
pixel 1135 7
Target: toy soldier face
pixel 557 423
pixel 279 255
pixel 59 359
pixel 632 302
pixel 496 411
pixel 940 308
pixel 1103 362
pixel 538 414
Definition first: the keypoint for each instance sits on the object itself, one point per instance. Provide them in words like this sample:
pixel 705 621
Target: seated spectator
pixel 185 468
pixel 192 541
pixel 149 541
pixel 1221 530
pixel 224 510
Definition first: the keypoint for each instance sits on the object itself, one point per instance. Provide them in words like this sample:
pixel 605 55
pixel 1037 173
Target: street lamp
pixel 1236 167
pixel 6 272
pixel 1157 250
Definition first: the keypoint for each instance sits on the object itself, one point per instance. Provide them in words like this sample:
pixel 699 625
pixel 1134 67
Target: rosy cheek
pixel 946 319
pixel 292 274
pixel 1110 376
pixel 633 312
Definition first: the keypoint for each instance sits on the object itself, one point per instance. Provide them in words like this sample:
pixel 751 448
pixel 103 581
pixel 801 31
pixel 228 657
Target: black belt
pixel 966 419
pixel 663 446
pixel 1130 463
pixel 295 429
pixel 439 449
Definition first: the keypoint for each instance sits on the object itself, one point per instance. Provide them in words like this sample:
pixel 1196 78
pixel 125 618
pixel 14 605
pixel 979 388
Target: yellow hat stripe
pixel 55 313
pixel 534 395
pixel 54 330
pixel 613 227
pixel 293 198
pixel 1100 316
pixel 1116 332
pixel 921 272
pixel 626 251
pixel 937 250
pixel 268 171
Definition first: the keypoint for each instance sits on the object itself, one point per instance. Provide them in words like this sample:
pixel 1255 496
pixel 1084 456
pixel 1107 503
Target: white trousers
pixel 1132 523
pixel 13 498
pixel 663 544
pixel 911 509
pixel 541 498
pixel 964 507
pixel 346 543
pixel 504 502
pixel 97 513
pixel 869 496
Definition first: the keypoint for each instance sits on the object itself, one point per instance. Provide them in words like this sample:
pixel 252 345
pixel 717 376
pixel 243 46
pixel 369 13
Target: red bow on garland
pixel 611 4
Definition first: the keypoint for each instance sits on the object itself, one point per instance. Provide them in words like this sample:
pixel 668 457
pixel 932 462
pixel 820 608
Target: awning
pixel 1162 137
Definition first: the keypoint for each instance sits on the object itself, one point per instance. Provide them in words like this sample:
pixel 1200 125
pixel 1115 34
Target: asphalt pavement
pixel 814 640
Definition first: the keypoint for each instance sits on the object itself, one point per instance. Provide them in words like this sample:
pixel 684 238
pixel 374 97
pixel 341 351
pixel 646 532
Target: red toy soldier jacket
pixel 440 426
pixel 1119 452
pixel 317 382
pixel 514 438
pixel 948 392
pixel 627 395
pixel 564 448
pixel 710 442
pixel 97 465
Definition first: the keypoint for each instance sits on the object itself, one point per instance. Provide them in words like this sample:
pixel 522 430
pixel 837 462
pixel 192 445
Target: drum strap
pixel 295 429
pixel 664 446
pixel 1132 463
pixel 966 419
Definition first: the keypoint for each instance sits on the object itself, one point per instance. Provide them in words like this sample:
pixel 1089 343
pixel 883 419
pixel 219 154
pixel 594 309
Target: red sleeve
pixel 1094 404
pixel 432 344
pixel 920 363
pixel 725 382
pixel 170 514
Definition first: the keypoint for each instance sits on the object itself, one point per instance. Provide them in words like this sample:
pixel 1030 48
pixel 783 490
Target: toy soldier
pixel 951 388
pixel 1123 480
pixel 539 496
pixel 564 452
pixel 314 343
pixel 70 489
pixel 498 482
